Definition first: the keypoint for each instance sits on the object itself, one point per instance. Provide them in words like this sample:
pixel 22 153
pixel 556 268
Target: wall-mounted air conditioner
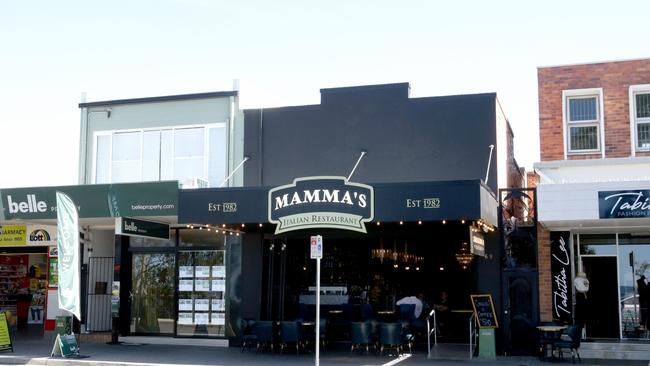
pixel 192 183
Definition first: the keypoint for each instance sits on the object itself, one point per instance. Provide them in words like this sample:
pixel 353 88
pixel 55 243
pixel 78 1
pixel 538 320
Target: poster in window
pixel 201 304
pixel 53 272
pixel 201 318
pixel 185 304
pixel 219 285
pixel 218 318
pixel 185 318
pixel 185 285
pixel 202 285
pixel 202 271
pixel 218 271
pixel 218 305
pixel 185 272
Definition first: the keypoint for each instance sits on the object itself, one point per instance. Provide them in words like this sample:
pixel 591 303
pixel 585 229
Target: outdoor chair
pixel 322 332
pixel 290 334
pixel 407 312
pixel 264 331
pixel 390 336
pixel 573 343
pixel 360 335
pixel 247 327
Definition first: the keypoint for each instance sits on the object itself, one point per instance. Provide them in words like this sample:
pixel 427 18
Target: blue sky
pixel 282 52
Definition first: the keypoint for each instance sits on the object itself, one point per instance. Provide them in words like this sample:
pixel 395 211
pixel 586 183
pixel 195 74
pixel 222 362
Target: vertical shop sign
pixel 561 276
pixel 68 248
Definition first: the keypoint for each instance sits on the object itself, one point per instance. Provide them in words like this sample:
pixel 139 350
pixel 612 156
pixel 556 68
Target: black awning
pixel 426 201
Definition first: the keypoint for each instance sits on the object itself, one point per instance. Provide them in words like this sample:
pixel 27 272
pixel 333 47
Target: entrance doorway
pixel 602 315
pixel 364 275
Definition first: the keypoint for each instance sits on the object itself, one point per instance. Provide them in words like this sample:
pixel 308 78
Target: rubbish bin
pixel 63 325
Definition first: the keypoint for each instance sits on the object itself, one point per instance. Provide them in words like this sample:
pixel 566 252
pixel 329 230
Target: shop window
pixel 142 242
pixel 203 238
pixel 583 120
pixel 592 244
pixel 640 116
pixel 201 293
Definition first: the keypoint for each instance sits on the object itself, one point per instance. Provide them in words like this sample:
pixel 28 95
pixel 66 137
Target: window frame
pixel 634 121
pixel 206 150
pixel 598 122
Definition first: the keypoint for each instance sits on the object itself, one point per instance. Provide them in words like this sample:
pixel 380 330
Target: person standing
pixel 642 290
pixel 442 314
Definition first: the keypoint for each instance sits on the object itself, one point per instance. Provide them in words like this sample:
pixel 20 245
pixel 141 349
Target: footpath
pixel 36 352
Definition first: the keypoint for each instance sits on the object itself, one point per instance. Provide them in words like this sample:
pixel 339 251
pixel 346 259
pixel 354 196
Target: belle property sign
pixel 321 202
pixel 93 200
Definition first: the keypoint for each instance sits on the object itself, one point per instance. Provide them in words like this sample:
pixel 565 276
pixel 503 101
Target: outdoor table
pixel 552 333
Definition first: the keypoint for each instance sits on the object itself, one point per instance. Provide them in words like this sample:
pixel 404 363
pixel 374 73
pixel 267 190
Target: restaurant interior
pixel 364 275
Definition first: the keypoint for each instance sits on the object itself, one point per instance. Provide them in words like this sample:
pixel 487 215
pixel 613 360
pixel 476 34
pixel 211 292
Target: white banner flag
pixel 67 229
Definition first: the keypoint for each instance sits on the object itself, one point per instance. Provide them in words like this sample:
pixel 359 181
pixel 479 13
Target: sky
pixel 282 53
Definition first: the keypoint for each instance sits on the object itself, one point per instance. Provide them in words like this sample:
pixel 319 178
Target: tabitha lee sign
pixel 624 204
pixel 321 202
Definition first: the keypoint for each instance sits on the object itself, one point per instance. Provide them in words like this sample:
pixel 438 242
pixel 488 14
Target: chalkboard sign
pixel 484 311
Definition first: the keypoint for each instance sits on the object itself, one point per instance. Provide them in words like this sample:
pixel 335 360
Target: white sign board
pixel 316 247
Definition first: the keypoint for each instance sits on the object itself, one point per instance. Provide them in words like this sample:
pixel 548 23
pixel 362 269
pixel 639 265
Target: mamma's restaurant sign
pixel 321 202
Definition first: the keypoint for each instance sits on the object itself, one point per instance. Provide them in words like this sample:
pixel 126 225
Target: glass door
pixel 152 295
pixel 634 268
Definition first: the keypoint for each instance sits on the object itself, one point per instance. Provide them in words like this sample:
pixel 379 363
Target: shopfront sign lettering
pixel 31 204
pixel 423 203
pixel 141 228
pixel 624 204
pixel 222 207
pixel 92 200
pixel 321 202
pixel 560 269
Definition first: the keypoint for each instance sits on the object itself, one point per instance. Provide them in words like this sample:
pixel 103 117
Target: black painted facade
pixel 407 140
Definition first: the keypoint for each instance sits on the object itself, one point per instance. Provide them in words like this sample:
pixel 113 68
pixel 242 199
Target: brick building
pixel 593 184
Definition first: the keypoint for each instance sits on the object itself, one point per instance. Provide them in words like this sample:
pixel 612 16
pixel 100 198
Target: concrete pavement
pixel 36 352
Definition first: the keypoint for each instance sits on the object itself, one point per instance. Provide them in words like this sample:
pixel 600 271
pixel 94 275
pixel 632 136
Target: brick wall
pixel 615 79
pixel 532 179
pixel 544 263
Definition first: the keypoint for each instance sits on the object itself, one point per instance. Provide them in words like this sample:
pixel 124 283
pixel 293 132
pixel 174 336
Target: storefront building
pixel 28 258
pixel 197 140
pixel 593 186
pixel 424 159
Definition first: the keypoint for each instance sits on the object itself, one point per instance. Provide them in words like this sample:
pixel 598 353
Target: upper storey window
pixel 640 116
pixel 583 120
pixel 193 153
